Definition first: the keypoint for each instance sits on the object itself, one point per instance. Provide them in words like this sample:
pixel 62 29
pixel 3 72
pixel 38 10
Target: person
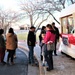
pixel 43 30
pixel 11 45
pixel 57 37
pixel 31 41
pixel 16 39
pixel 2 46
pixel 50 36
pixel 42 47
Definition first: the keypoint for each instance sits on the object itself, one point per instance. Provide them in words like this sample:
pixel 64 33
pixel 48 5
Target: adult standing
pixel 16 39
pixel 48 39
pixel 57 36
pixel 43 30
pixel 11 45
pixel 31 41
pixel 2 46
pixel 42 47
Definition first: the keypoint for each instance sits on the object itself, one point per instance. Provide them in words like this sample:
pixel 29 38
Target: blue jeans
pixel 31 54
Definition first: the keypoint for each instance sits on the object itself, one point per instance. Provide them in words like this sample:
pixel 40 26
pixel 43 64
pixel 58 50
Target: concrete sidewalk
pixel 63 65
pixel 32 70
pixel 20 67
pixel 37 51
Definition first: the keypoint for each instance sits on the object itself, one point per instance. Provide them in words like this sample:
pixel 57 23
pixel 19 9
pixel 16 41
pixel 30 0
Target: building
pixel 24 27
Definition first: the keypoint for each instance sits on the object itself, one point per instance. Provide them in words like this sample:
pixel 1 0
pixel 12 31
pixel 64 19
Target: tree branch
pixel 42 22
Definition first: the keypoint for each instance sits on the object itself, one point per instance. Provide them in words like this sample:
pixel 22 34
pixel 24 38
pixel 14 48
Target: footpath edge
pixel 41 69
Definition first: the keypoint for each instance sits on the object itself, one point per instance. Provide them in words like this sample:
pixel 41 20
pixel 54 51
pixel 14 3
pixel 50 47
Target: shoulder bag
pixel 51 46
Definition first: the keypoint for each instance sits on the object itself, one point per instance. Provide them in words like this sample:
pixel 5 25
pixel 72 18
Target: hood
pixel 9 34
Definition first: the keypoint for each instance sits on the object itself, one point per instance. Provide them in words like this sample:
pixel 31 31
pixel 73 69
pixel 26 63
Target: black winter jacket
pixel 31 39
pixel 57 33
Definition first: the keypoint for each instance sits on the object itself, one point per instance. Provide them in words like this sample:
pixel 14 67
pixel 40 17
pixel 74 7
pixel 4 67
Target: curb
pixel 23 48
pixel 41 69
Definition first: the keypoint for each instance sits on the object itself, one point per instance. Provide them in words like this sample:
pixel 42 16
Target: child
pixel 43 46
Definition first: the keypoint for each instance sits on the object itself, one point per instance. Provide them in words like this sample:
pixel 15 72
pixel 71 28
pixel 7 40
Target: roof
pixel 68 11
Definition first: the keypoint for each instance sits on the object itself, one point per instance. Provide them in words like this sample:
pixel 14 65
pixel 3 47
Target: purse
pixel 51 46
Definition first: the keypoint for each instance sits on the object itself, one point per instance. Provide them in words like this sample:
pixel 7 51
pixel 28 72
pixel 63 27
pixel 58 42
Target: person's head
pixel 11 30
pixel 48 27
pixel 43 33
pixel 43 28
pixel 32 28
pixel 1 31
pixel 53 23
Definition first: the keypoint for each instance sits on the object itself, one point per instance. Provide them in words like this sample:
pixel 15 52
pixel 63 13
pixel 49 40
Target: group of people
pixel 9 44
pixel 49 34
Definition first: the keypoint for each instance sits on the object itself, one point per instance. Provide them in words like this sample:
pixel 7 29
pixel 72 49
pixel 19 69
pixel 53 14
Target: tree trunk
pixel 2 22
pixel 31 20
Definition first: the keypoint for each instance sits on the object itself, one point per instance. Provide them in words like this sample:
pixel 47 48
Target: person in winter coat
pixel 43 30
pixel 57 37
pixel 49 38
pixel 16 45
pixel 11 44
pixel 31 41
pixel 2 46
pixel 43 47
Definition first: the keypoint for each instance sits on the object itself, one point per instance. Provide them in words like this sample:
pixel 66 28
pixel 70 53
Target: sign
pixel 65 41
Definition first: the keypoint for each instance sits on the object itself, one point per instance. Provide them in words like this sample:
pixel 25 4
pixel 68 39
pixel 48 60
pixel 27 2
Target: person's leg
pixel 41 54
pixel 49 60
pixel 43 59
pixel 12 56
pixel 0 57
pixel 15 53
pixel 55 52
pixel 31 54
pixel 9 54
pixel 3 54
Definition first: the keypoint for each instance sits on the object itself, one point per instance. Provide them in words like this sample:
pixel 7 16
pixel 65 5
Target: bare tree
pixel 30 8
pixel 9 17
pixel 40 7
pixel 51 6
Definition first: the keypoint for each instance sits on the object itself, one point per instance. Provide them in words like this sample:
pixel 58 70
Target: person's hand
pixel 49 42
pixel 36 42
pixel 43 41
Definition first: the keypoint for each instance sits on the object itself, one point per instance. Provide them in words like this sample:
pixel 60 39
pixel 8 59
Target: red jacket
pixel 50 36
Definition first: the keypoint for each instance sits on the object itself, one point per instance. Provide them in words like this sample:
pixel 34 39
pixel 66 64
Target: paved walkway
pixel 20 67
pixel 37 50
pixel 33 70
pixel 63 65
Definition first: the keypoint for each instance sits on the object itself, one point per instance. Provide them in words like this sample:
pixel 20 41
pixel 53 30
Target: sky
pixel 9 4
